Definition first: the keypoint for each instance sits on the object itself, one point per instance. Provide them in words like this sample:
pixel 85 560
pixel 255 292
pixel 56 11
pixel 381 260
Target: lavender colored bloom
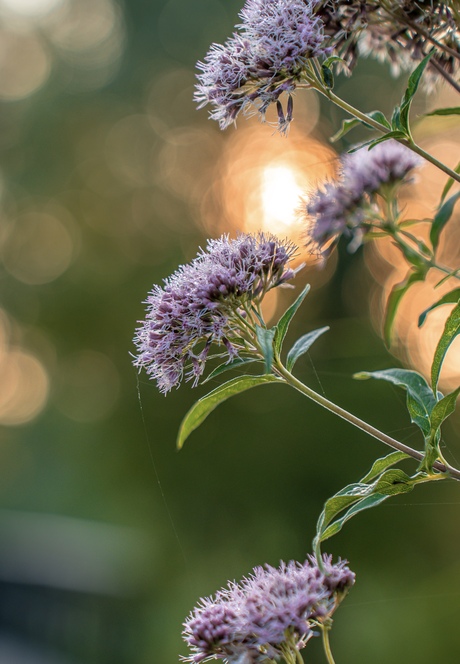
pixel 269 613
pixel 263 59
pixel 348 205
pixel 203 303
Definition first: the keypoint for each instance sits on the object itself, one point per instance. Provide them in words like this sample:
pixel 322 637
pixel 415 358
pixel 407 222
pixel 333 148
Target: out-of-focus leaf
pixel 441 218
pixel 448 185
pixel 397 293
pixel 444 111
pixel 265 338
pixel 285 320
pixel 302 346
pixel 451 330
pixel 375 141
pixel 420 398
pixel 328 76
pixel 347 125
pixel 202 408
pixel 449 298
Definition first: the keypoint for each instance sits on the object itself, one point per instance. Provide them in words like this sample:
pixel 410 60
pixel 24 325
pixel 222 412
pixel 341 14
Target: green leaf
pixel 396 124
pixel 383 463
pixel 420 398
pixel 285 320
pixel 302 346
pixel 265 338
pixel 347 125
pixel 228 366
pixel 358 497
pixel 204 406
pixel 449 298
pixel 449 184
pixel 412 86
pixel 378 116
pixel 364 504
pixel 443 409
pixel 375 141
pixel 397 293
pixel 443 215
pixel 332 59
pixel 451 330
pixel 444 111
pixel 328 76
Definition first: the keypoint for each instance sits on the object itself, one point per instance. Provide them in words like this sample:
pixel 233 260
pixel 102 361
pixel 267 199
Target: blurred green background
pixel 109 179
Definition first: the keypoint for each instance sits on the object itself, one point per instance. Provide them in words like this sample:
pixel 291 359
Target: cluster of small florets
pixel 400 33
pixel 269 614
pixel 201 302
pixel 348 205
pixel 263 59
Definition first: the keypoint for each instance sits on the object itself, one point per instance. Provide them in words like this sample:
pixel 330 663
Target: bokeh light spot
pixel 24 65
pixel 37 249
pixel 23 388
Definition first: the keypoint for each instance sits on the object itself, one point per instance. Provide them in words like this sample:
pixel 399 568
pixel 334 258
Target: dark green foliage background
pixel 248 486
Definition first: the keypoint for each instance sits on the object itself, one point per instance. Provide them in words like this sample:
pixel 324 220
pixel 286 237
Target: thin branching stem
pixel 281 370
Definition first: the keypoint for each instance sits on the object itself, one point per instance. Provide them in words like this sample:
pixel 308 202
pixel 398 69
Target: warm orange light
pixel 280 197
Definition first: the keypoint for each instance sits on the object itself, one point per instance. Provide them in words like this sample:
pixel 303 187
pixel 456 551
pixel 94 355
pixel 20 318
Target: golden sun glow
pixel 280 197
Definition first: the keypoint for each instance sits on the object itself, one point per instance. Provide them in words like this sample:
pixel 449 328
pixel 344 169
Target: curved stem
pixel 326 644
pixel 409 143
pixel 360 424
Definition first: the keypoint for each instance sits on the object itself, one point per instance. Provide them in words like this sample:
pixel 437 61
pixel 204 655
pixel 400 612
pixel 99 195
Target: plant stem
pixel 299 657
pixel 326 644
pixel 409 143
pixel 360 424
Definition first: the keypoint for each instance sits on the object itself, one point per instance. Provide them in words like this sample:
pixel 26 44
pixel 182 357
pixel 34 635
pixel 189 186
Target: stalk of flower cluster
pixel 315 83
pixel 294 382
pixel 325 629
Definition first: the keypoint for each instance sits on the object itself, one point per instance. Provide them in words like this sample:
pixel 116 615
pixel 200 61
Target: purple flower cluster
pixel 347 206
pixel 268 613
pixel 203 303
pixel 263 59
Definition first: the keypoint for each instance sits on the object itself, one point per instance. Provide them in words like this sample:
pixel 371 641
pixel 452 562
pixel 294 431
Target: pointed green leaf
pixel 382 464
pixel 285 320
pixel 347 125
pixel 449 183
pixel 358 497
pixel 449 298
pixel 443 409
pixel 420 398
pixel 442 217
pixel 378 116
pixel 451 330
pixel 412 86
pixel 328 76
pixel 265 338
pixel 444 111
pixel 333 59
pixel 397 293
pixel 364 504
pixel 375 141
pixel 202 408
pixel 228 366
pixel 302 346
